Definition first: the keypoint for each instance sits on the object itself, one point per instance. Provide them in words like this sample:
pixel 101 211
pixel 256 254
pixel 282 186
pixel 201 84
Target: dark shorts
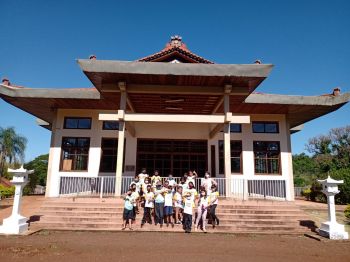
pixel 168 211
pixel 128 214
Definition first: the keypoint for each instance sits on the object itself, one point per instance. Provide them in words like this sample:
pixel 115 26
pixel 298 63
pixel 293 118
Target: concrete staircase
pixel 263 216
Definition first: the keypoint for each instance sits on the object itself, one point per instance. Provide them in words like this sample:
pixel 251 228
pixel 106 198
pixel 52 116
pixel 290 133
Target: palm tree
pixel 12 147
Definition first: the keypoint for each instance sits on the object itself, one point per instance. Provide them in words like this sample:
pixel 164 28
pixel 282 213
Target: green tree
pixel 305 169
pixel 39 165
pixel 331 156
pixel 12 147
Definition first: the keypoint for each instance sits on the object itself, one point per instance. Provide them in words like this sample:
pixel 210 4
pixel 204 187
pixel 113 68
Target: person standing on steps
pixel 203 205
pixel 159 204
pixel 143 175
pixel 188 212
pixel 213 201
pixel 178 204
pixel 208 182
pixel 149 204
pixel 128 213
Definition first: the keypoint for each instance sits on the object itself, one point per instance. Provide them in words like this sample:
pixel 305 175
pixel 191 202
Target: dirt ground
pixel 29 206
pixel 144 246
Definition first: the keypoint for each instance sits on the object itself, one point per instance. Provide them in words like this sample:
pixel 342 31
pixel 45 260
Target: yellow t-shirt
pixel 212 196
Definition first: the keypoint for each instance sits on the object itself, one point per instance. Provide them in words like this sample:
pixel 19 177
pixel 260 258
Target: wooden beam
pixel 130 104
pixel 215 130
pixel 218 104
pixel 130 128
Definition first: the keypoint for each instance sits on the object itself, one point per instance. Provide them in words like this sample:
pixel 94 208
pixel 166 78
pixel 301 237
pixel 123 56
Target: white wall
pixel 163 131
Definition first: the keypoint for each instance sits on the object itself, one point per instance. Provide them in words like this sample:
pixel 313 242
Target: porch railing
pixel 239 188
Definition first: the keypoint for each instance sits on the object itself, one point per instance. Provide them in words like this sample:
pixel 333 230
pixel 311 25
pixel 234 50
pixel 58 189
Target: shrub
pixel 347 212
pixel 6 191
pixel 306 193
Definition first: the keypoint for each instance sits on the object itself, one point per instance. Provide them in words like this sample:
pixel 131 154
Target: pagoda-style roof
pixel 298 109
pixel 172 81
pixel 177 52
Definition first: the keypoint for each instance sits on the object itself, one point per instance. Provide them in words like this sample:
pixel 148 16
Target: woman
pixel 202 211
pixel 208 182
pixel 213 202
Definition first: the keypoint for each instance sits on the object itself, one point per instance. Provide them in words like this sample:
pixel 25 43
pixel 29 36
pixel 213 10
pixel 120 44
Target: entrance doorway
pixel 172 156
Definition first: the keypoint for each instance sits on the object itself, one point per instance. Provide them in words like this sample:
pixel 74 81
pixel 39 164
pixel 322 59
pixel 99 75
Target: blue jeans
pixel 159 215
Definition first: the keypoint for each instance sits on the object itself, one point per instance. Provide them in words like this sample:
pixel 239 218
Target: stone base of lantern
pixel 333 231
pixel 14 225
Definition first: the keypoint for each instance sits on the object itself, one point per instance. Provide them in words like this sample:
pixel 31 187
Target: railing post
pixel 101 187
pixel 245 189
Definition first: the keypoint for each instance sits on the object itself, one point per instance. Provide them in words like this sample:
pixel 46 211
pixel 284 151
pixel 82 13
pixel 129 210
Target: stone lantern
pixel 331 228
pixel 16 224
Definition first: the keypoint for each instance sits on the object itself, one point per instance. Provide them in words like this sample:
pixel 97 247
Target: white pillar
pixel 121 139
pixel 289 178
pixel 16 224
pixel 227 144
pixel 120 158
pixel 331 228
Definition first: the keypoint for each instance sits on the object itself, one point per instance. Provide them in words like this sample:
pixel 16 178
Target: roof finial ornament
pixel 176 41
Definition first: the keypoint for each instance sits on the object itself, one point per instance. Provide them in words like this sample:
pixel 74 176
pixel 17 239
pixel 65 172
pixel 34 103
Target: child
pixel 159 204
pixel 187 216
pixel 213 202
pixel 202 210
pixel 128 212
pixel 183 183
pixel 143 175
pixel 155 178
pixel 168 206
pixel 135 196
pixel 149 199
pixel 171 181
pixel 191 177
pixel 178 204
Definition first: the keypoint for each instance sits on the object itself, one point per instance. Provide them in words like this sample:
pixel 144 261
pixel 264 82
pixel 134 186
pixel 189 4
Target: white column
pixel 227 146
pixel 289 178
pixel 121 139
pixel 16 223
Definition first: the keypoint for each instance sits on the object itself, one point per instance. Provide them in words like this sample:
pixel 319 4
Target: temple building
pixel 172 111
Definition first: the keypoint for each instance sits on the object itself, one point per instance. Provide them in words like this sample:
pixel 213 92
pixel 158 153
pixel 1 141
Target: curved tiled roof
pixel 175 49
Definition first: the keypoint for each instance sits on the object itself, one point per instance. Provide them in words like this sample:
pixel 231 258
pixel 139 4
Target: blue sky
pixel 307 41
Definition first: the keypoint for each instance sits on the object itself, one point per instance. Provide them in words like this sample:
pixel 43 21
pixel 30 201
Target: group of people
pixel 171 202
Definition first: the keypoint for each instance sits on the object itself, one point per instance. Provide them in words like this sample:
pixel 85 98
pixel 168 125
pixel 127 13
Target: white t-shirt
pixel 207 183
pixel 188 205
pixel 178 200
pixel 191 179
pixel 168 199
pixel 172 182
pixel 158 193
pixel 135 196
pixel 203 203
pixel 142 177
pixel 149 198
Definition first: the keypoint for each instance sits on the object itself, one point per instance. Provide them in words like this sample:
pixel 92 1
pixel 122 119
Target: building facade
pixel 172 111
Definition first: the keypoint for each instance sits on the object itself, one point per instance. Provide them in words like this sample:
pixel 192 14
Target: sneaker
pixel 217 222
pixel 130 228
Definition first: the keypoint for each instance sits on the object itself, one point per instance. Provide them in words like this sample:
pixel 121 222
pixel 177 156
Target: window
pixel 77 123
pixel 236 153
pixel 265 127
pixel 110 125
pixel 75 153
pixel 172 156
pixel 235 128
pixel 109 147
pixel 266 157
